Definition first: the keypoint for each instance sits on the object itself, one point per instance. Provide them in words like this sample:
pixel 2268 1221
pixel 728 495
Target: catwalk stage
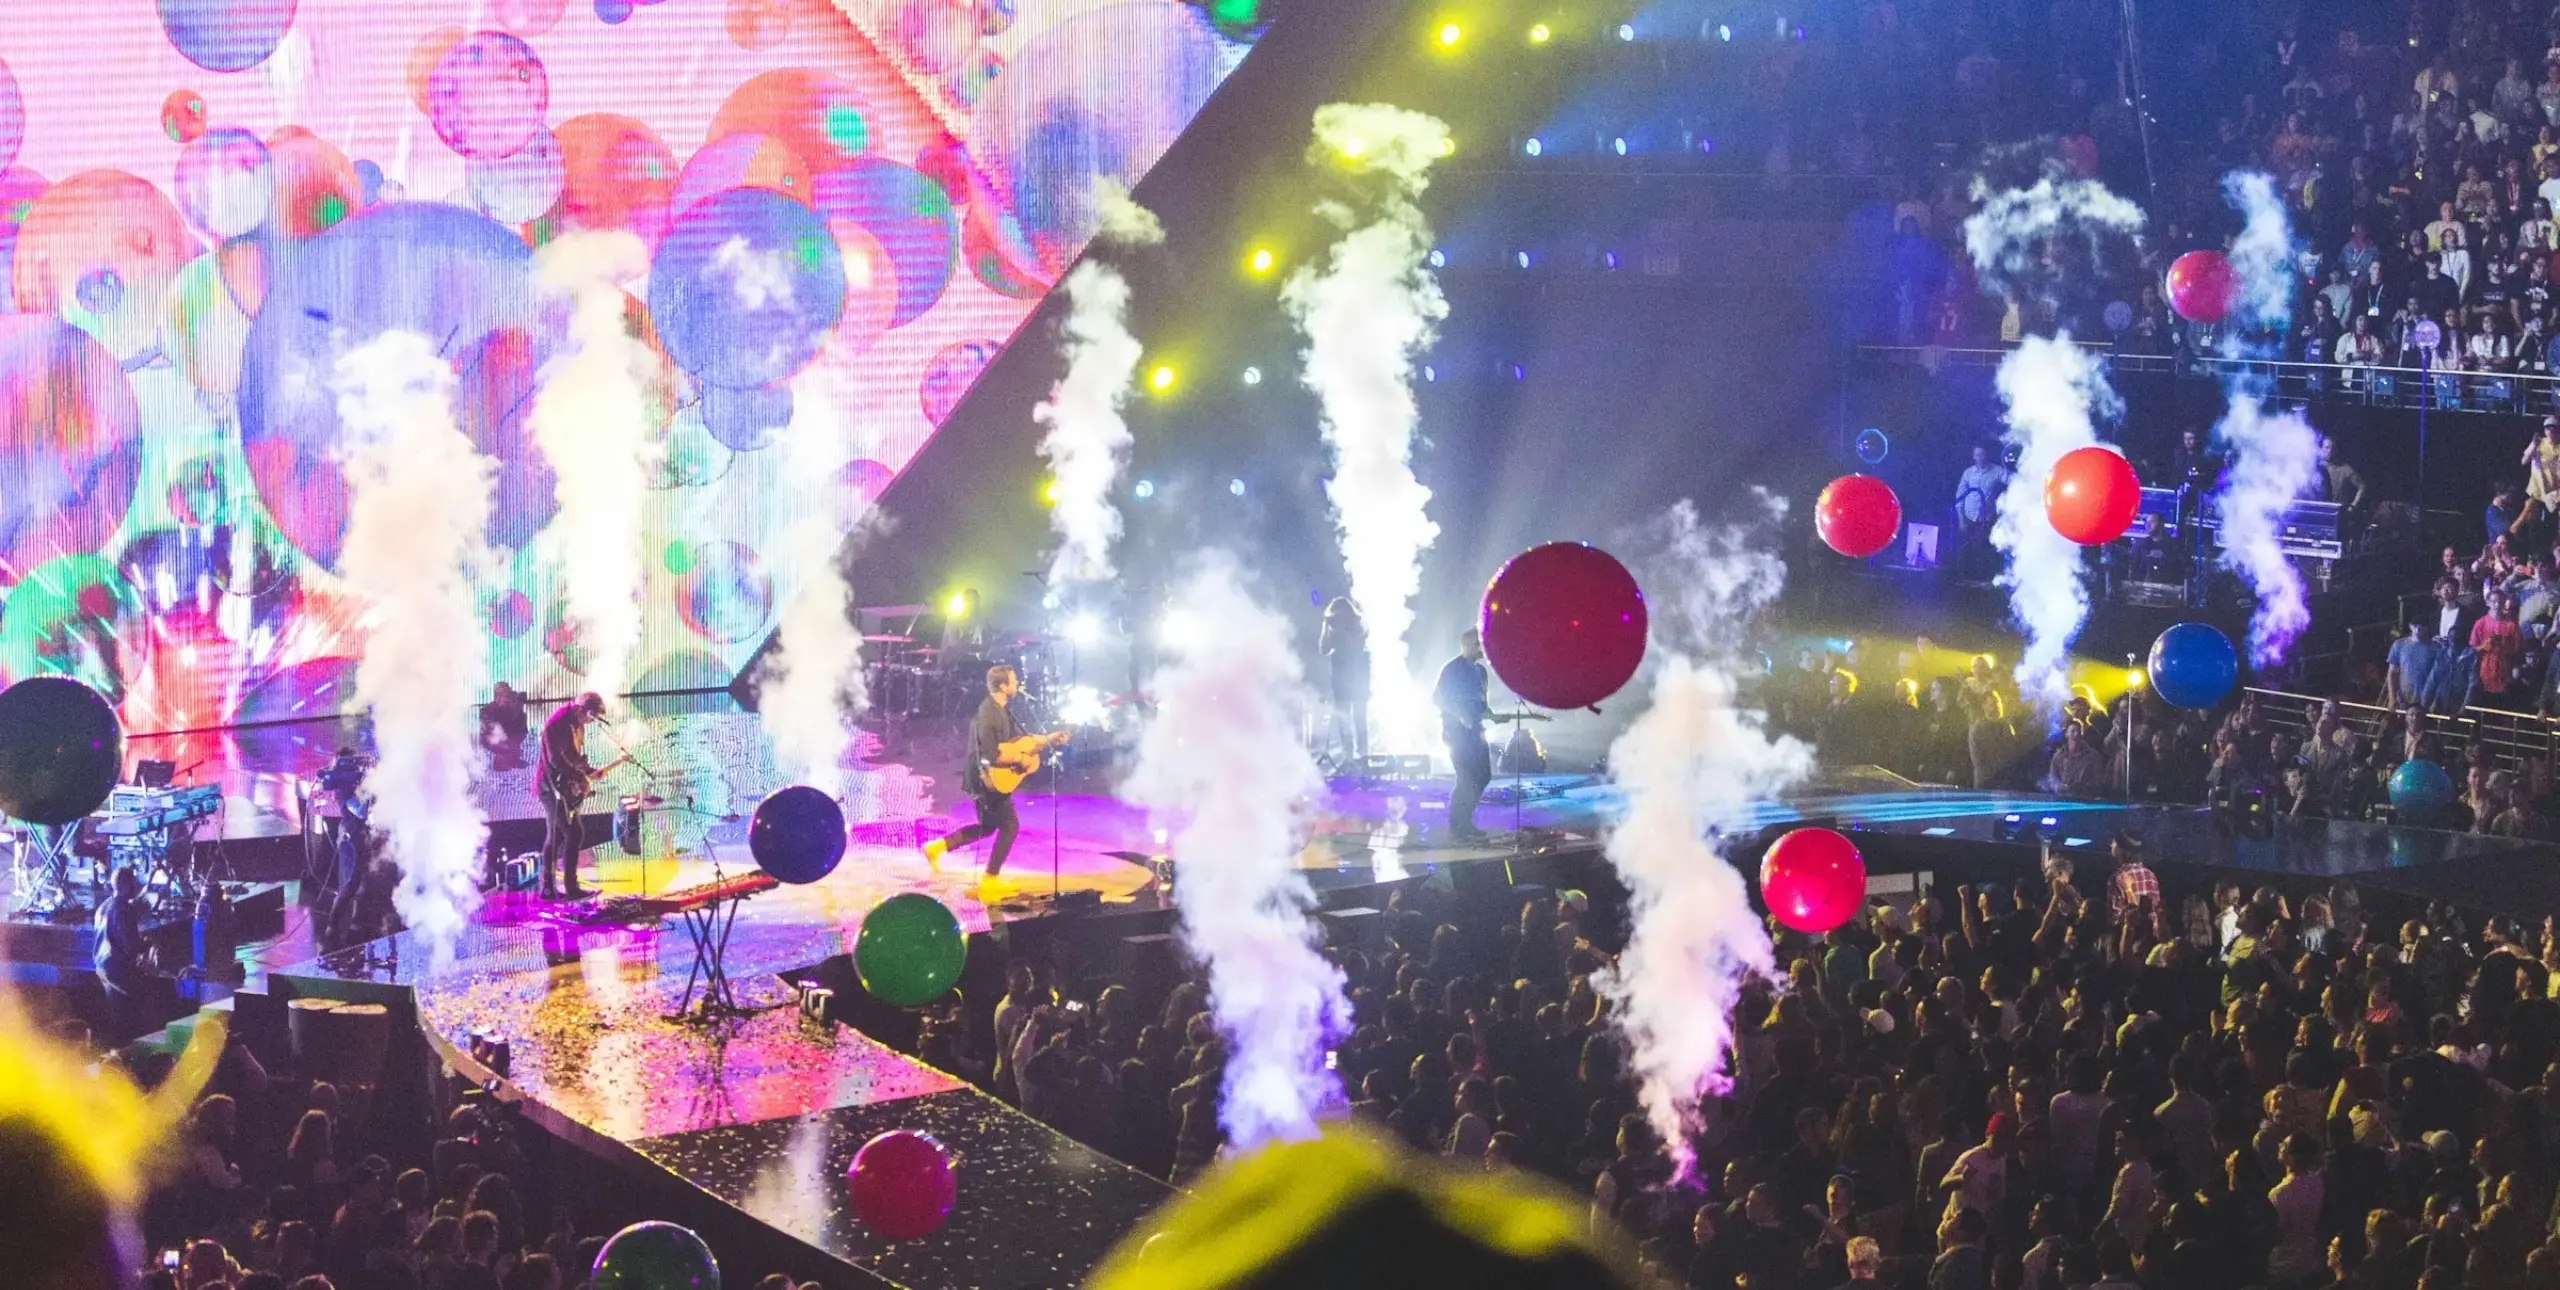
pixel 761 1112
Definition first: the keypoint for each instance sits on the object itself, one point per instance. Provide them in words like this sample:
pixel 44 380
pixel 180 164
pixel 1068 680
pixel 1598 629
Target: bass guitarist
pixel 1000 755
pixel 562 782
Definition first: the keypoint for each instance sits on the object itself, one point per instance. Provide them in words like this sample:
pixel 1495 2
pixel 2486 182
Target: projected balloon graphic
pixel 226 195
pixel 1564 625
pixel 1857 515
pixel 2092 495
pixel 901 1185
pixel 746 288
pixel 1814 880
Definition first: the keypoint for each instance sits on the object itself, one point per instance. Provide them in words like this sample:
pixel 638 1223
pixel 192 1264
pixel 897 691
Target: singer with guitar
pixel 1001 756
pixel 562 783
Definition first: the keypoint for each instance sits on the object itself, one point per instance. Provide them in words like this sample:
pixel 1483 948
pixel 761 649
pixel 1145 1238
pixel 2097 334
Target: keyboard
pixel 683 900
pixel 132 812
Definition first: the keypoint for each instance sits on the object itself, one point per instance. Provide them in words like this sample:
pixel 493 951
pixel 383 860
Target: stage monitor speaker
pixel 626 826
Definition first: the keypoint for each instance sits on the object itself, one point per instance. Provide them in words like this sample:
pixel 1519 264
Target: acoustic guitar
pixel 1019 759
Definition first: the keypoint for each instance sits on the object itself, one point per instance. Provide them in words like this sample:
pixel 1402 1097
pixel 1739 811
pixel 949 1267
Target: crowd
pixel 1971 730
pixel 2075 1081
pixel 284 1183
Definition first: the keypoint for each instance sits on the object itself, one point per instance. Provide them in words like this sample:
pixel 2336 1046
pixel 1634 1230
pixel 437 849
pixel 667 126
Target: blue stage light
pixel 1235 487
pixel 1608 259
pixel 1145 489
pixel 1618 145
pixel 1253 376
pixel 1430 373
pixel 1438 259
pixel 1724 33
pixel 1521 259
pixel 1626 31
pixel 1533 147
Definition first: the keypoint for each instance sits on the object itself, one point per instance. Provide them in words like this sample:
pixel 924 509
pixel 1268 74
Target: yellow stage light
pixel 1354 147
pixel 957 606
pixel 1450 33
pixel 2134 679
pixel 1539 34
pixel 1261 260
pixel 1162 378
pixel 1049 492
pixel 1448 146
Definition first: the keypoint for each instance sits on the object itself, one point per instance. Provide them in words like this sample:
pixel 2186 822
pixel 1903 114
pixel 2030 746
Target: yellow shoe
pixel 933 854
pixel 991 887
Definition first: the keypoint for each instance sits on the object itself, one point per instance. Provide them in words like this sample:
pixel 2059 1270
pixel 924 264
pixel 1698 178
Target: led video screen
pixel 203 202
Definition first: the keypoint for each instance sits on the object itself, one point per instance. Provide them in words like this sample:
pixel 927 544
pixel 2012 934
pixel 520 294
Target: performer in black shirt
pixel 1344 645
pixel 1460 696
pixel 999 755
pixel 562 783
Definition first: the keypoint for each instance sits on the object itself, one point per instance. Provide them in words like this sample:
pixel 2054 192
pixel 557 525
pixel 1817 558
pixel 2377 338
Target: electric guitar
pixel 1018 760
pixel 567 784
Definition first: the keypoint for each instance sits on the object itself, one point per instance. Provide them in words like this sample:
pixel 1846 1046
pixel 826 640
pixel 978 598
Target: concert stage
pixel 759 1112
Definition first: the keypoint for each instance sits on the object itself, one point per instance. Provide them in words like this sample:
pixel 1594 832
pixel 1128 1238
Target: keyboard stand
pixel 41 864
pixel 708 926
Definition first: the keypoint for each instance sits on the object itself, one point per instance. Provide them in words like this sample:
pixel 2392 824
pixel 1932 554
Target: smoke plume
pixel 2049 385
pixel 813 690
pixel 1693 759
pixel 1088 440
pixel 1366 309
pixel 419 496
pixel 2036 244
pixel 593 419
pixel 1223 760
pixel 2274 455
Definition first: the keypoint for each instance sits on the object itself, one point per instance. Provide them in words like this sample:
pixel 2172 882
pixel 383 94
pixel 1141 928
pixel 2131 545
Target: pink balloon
pixel 1813 880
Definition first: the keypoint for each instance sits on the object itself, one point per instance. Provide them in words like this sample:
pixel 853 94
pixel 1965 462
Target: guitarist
pixel 996 741
pixel 562 783
pixel 1460 696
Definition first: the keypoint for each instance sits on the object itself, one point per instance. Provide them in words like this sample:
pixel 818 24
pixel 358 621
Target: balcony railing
pixel 2508 393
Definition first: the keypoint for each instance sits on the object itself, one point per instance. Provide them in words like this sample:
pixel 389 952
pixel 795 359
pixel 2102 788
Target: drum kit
pixel 911 680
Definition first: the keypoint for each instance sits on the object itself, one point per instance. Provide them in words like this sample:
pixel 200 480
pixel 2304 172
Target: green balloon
pixel 655 1256
pixel 910 950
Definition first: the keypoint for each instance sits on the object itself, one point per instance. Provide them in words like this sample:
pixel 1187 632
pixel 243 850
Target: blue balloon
pixel 2193 665
pixel 2420 790
pixel 746 288
pixel 797 835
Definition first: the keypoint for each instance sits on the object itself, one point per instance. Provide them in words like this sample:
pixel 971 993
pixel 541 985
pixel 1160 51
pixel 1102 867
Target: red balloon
pixel 2202 286
pixel 901 1185
pixel 1857 515
pixel 1564 625
pixel 2092 495
pixel 1813 880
